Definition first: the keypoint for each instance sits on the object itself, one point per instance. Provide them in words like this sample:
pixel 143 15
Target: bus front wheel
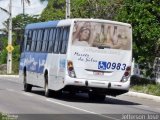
pixel 27 87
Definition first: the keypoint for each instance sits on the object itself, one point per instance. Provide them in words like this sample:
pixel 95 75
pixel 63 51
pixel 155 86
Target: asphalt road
pixel 34 106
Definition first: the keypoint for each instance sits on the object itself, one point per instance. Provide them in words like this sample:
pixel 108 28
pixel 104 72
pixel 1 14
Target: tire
pixel 72 93
pixel 96 97
pixel 47 92
pixel 27 87
pixel 57 94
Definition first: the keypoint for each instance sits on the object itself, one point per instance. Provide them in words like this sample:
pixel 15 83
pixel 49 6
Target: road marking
pixel 28 94
pixel 144 106
pixel 10 76
pixel 49 100
pixel 23 93
pixel 11 90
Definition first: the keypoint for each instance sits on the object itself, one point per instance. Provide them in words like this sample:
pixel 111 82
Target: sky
pixel 34 8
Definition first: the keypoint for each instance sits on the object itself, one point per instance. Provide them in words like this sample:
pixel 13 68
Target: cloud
pixel 33 9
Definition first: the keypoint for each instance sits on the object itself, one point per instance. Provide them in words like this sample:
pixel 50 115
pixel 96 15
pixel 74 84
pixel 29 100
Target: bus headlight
pixel 70 68
pixel 126 74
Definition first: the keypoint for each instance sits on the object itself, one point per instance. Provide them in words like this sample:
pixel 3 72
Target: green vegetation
pixel 141 81
pixel 145 19
pixel 145 86
pixel 55 10
pixel 104 9
pixel 148 89
pixel 8 117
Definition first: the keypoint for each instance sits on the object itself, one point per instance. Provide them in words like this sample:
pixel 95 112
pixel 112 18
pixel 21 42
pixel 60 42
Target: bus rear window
pixel 102 35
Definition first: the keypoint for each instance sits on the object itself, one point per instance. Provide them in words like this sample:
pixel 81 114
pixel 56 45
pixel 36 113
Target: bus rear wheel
pixel 47 91
pixel 27 87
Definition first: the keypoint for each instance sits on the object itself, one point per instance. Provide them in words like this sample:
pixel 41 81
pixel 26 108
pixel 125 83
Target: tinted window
pixel 64 40
pixel 34 40
pixel 54 39
pixel 29 39
pixel 39 40
pixel 51 39
pixel 58 33
pixel 45 40
pixel 60 40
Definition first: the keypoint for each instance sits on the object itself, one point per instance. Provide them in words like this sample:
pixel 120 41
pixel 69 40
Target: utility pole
pixel 10 48
pixel 23 8
pixel 67 9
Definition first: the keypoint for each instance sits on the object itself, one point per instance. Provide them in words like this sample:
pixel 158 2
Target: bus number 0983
pixel 113 66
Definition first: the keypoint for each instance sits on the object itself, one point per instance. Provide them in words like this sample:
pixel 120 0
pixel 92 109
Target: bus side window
pixel 50 44
pixel 60 40
pixel 39 37
pixel 57 40
pixel 29 40
pixel 38 40
pixel 24 41
pixel 65 40
pixel 45 39
pixel 34 40
pixel 54 39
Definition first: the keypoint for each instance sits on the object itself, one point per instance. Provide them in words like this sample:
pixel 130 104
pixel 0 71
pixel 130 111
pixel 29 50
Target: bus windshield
pixel 102 35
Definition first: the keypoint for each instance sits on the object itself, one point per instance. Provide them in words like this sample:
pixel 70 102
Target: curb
pixel 143 95
pixel 14 76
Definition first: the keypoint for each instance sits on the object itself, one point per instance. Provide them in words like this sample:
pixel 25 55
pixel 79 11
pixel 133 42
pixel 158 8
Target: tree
pixel 144 17
pixel 55 10
pixel 19 24
pixel 105 9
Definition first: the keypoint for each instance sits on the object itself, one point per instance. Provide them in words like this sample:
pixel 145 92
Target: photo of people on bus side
pixel 96 34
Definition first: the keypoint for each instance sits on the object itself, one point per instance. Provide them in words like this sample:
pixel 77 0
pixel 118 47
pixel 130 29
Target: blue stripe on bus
pixel 34 62
pixel 42 25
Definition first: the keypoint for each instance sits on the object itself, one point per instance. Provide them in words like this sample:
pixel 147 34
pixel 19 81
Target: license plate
pixel 98 73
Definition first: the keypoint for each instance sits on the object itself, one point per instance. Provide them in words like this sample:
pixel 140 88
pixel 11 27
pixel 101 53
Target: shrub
pixel 149 89
pixel 3 56
pixel 141 81
pixel 16 57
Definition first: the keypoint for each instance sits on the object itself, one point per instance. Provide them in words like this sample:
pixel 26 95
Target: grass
pixel 153 89
pixel 7 117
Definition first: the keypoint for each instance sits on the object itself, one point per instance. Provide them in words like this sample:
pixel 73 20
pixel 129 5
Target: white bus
pixel 77 55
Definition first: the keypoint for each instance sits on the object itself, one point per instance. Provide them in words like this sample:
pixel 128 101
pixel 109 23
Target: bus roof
pixel 105 21
pixel 48 24
pixel 66 22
